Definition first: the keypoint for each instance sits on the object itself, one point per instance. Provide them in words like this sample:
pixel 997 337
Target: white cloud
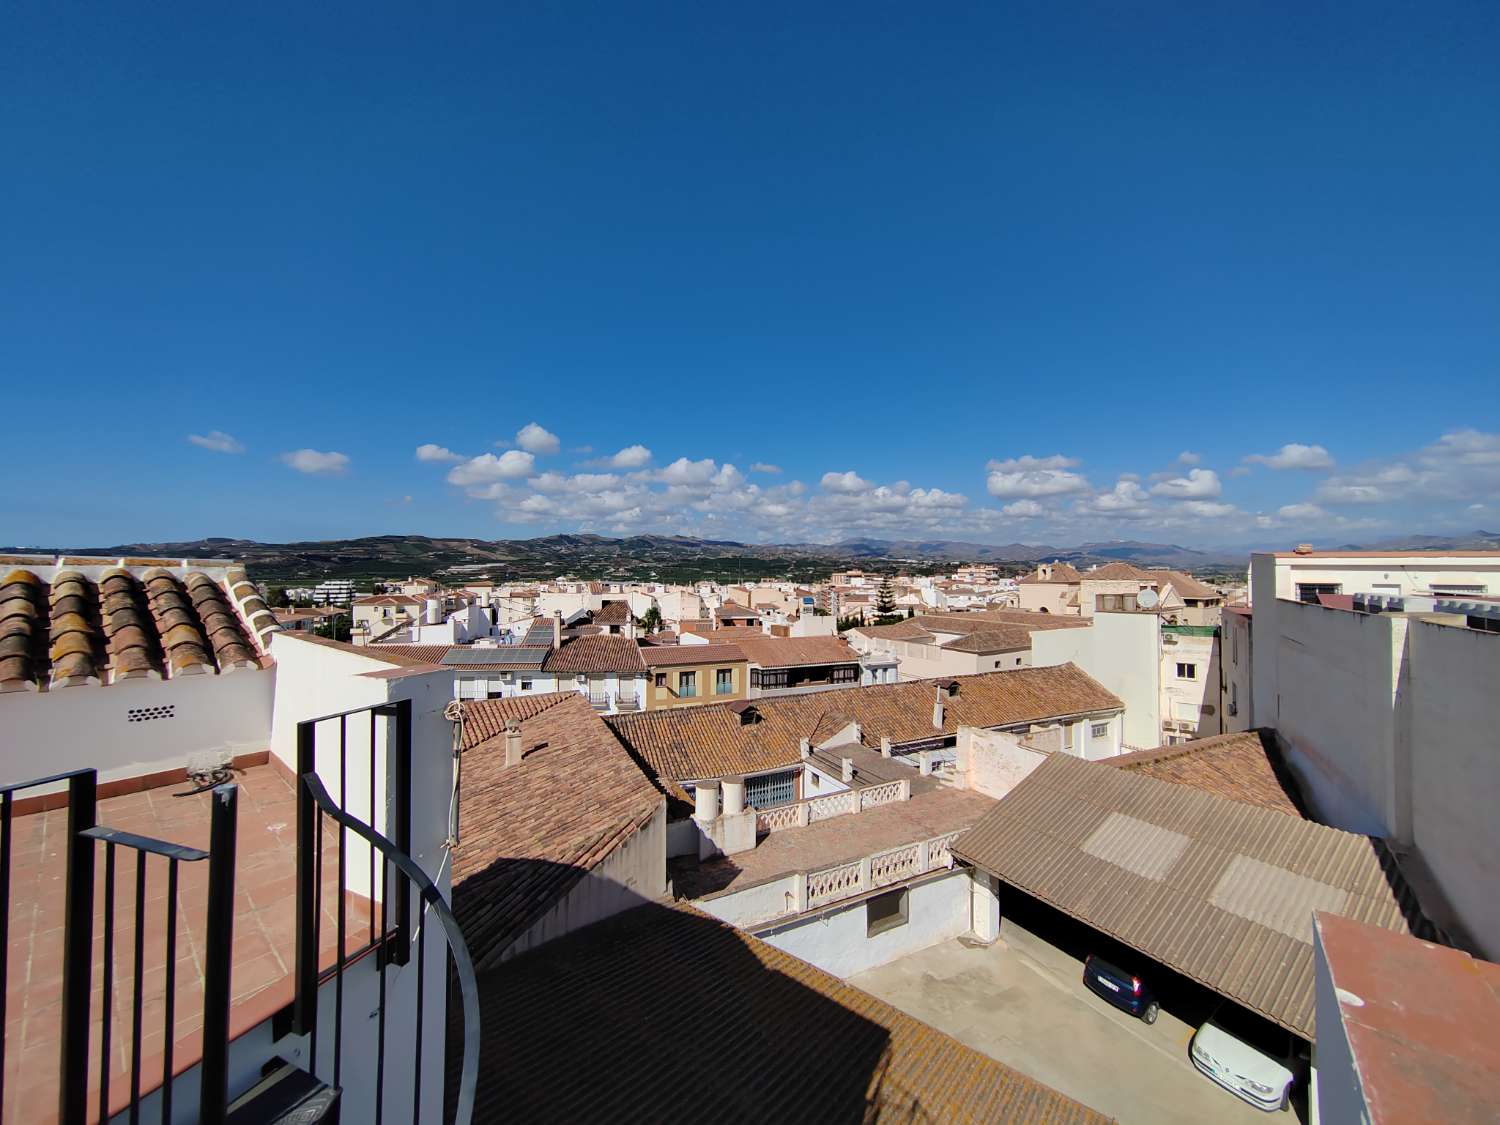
pixel 510 465
pixel 763 467
pixel 1209 509
pixel 533 439
pixel 1301 512
pixel 844 482
pixel 1198 483
pixel 631 457
pixel 1024 509
pixel 1032 477
pixel 1127 499
pixel 1188 457
pixel 316 462
pixel 434 452
pixel 1294 456
pixel 218 441
pixel 1240 471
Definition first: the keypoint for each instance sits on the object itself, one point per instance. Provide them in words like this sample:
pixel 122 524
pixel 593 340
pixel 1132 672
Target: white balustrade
pixel 886 794
pixel 894 865
pixel 834 883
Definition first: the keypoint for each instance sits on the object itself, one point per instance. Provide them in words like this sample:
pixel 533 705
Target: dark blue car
pixel 1124 990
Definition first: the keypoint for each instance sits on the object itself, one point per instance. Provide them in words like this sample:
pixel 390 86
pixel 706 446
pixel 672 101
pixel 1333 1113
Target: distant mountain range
pixel 678 557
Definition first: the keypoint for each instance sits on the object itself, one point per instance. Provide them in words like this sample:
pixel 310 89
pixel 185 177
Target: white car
pixel 1241 1069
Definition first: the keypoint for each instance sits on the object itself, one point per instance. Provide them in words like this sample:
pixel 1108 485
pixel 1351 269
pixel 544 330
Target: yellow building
pixel 683 675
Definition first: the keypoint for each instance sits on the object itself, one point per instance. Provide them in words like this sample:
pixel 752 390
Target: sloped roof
pixel 162 623
pixel 1115 572
pixel 486 718
pixel 1245 766
pixel 426 654
pixel 601 653
pixel 731 609
pixel 689 743
pixel 1062 574
pixel 621 1018
pixel 1220 891
pixel 612 613
pixel 662 656
pixel 528 832
pixel 1185 584
pixel 793 652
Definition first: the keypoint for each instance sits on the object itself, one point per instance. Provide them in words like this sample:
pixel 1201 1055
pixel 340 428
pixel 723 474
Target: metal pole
pixel 78 949
pixel 305 1002
pixel 213 1100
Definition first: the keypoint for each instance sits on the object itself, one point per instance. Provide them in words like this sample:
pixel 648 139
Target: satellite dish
pixel 1147 599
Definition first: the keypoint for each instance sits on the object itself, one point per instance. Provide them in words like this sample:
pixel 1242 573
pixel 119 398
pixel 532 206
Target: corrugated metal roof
pixel 1220 891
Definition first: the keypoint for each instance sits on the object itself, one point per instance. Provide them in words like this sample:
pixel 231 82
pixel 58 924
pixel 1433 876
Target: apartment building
pixel 684 675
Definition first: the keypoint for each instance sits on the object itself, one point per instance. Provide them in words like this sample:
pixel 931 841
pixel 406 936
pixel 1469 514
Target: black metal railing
pixel 458 967
pixel 388 912
pixel 84 835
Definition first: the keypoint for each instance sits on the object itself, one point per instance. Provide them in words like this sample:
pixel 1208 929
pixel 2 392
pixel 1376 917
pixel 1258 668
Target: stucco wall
pixel 1339 1095
pixel 1122 652
pixel 937 911
pixel 213 717
pixel 635 873
pixel 991 762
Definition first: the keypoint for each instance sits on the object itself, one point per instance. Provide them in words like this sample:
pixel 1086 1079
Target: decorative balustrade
pixel 772 820
pixel 834 883
pixel 886 794
pixel 940 850
pixel 894 865
pixel 834 804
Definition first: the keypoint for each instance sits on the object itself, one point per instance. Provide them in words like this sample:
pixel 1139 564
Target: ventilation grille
pixel 147 714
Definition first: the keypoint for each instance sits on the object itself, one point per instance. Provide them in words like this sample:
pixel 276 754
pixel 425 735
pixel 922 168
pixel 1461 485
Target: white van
pixel 1220 1051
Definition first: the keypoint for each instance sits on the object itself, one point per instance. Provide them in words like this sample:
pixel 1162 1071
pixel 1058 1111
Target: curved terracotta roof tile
pixel 15 644
pixel 231 647
pixel 23 631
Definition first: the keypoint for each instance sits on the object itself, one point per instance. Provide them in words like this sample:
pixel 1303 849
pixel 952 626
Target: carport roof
pixel 1220 891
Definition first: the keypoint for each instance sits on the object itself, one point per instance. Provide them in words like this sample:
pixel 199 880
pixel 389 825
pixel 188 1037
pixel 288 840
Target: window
pixel 525 685
pixel 1187 671
pixel 771 789
pixel 1309 591
pixel 768 677
pixel 1452 590
pixel 661 679
pixel 687 684
pixel 1099 730
pixel 1119 603
pixel 723 681
pixel 885 912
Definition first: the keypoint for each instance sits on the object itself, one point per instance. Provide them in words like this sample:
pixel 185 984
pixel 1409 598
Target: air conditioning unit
pixel 1168 639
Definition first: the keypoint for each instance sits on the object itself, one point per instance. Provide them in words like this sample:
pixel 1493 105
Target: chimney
pixel 885 746
pixel 848 770
pixel 924 763
pixel 706 802
pixel 859 732
pixel 734 795
pixel 557 628
pixel 805 749
pixel 512 743
pixel 937 709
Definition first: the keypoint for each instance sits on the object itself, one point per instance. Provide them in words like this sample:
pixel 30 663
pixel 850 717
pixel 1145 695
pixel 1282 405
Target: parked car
pixel 1261 1074
pixel 1125 991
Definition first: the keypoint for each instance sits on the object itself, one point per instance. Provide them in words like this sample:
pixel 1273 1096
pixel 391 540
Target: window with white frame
pixel 1099 730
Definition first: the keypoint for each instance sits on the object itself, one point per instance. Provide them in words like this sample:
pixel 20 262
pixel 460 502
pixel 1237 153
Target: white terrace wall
pixel 194 720
pixel 992 762
pixel 835 940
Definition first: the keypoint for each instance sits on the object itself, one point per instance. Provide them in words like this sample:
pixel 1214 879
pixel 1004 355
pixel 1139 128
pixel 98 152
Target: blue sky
pixel 1038 273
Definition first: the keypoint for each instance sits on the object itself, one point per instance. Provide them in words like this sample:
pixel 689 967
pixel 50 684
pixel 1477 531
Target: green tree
pixel 885 598
pixel 278 598
pixel 651 620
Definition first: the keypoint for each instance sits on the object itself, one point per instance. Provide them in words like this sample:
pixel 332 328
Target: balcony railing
pixel 894 865
pixel 802 813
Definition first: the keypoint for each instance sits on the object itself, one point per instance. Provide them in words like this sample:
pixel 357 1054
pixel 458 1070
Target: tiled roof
pixel 78 631
pixel 1115 572
pixel 486 718
pixel 528 832
pixel 993 630
pixel 612 613
pixel 425 654
pixel 1185 584
pixel 793 652
pixel 662 656
pixel 1220 891
pixel 908 630
pixel 662 1013
pixel 1062 573
pixel 1246 766
pixel 389 599
pixel 730 609
pixel 1002 638
pixel 602 653
pixel 689 743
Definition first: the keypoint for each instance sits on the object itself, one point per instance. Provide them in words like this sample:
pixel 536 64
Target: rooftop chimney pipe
pixel 512 743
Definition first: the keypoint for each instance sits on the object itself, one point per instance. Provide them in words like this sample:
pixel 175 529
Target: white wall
pixel 1375 574
pixel 835 941
pixel 992 762
pixel 1123 652
pixel 1389 724
pixel 633 874
pixel 214 718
